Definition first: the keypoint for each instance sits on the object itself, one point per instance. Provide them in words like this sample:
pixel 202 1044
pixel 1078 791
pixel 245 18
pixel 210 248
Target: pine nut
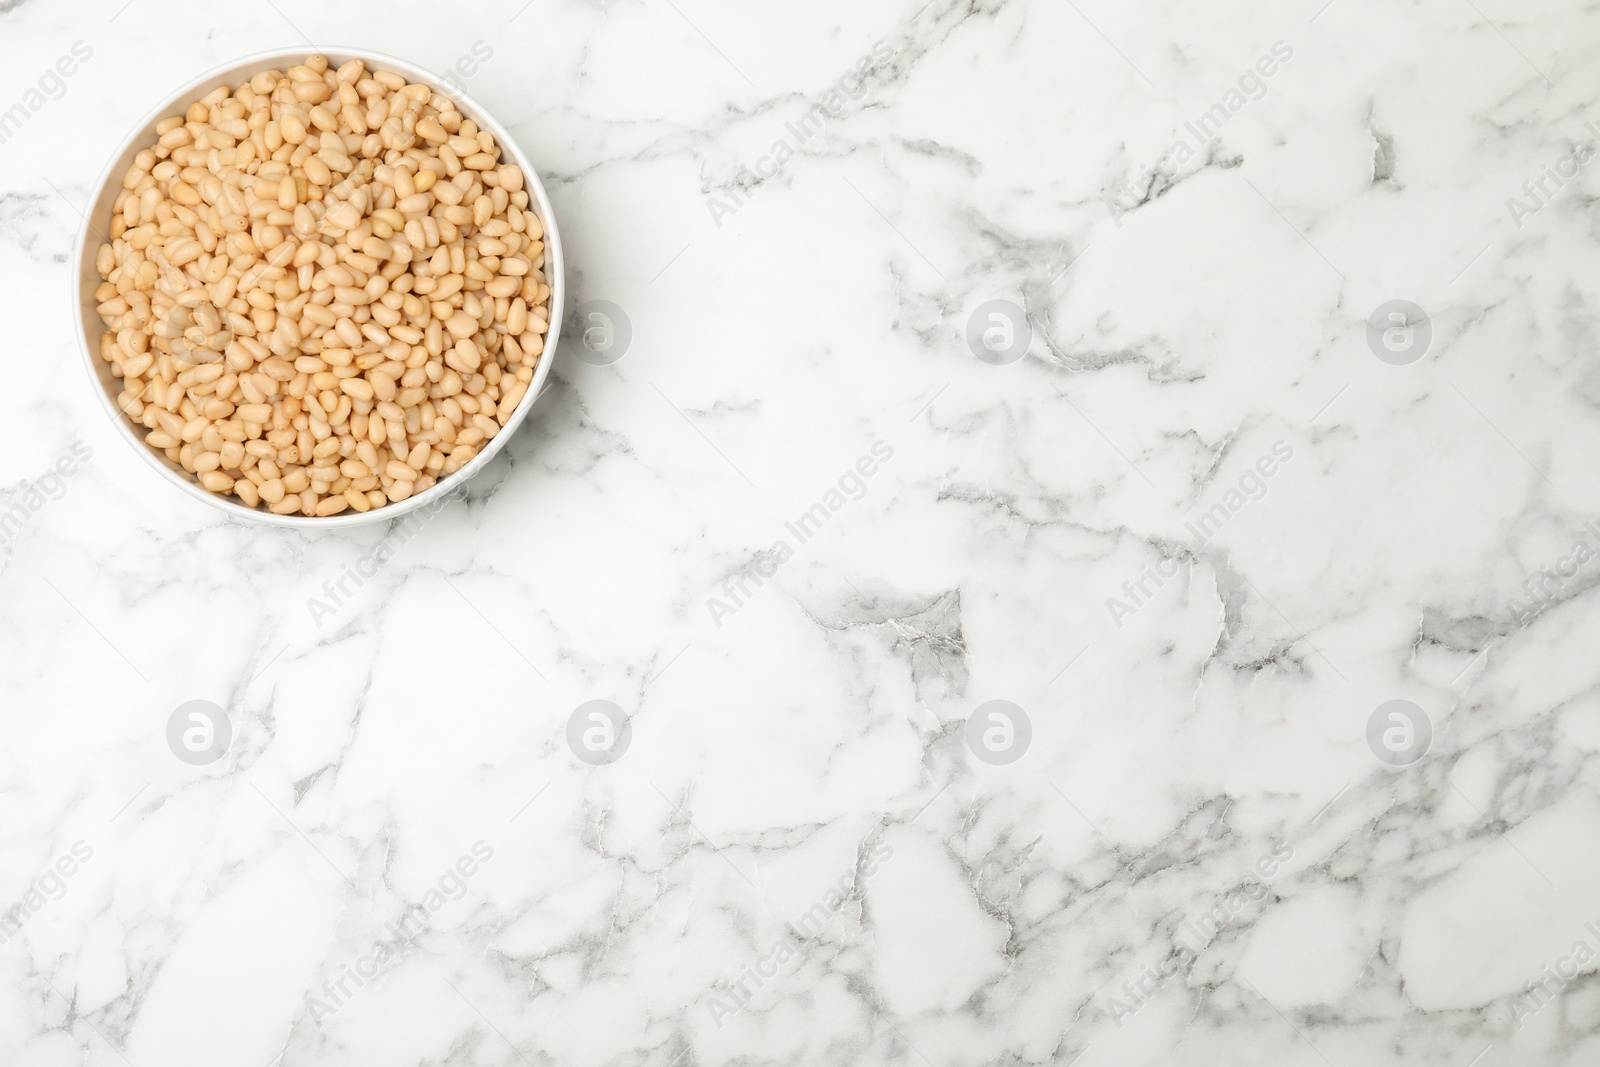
pixel 323 291
pixel 360 388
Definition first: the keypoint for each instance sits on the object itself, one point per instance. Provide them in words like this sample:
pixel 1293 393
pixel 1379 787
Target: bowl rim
pixel 90 238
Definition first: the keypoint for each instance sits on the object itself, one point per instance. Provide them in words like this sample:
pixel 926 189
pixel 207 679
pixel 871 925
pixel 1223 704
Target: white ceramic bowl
pixel 98 218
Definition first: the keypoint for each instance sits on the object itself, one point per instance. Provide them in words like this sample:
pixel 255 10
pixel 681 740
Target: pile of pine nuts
pixel 323 289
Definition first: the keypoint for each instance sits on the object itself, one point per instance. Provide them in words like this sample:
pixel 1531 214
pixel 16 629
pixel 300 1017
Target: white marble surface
pixel 1198 860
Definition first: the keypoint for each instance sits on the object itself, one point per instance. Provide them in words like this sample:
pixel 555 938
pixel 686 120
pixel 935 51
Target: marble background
pixel 1199 858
